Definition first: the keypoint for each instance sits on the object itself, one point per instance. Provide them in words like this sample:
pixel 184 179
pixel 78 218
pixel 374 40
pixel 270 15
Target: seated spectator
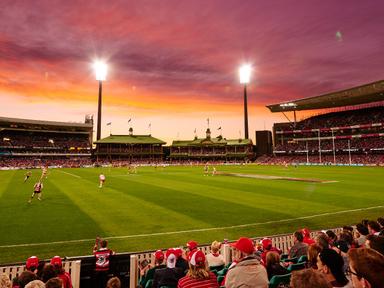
pixel 313 252
pixel 248 272
pixel 361 234
pixel 373 228
pixel 215 259
pixel 376 243
pixel 273 265
pixel 5 282
pixel 34 284
pixel 114 282
pixel 48 273
pixel 181 262
pixel 299 248
pixel 332 237
pixel 366 267
pixel 170 275
pixel 322 240
pixel 54 283
pixel 309 278
pixel 191 247
pixel 267 247
pixel 345 241
pixel 159 259
pixel 307 236
pixel 331 264
pixel 26 277
pixel 198 274
pixel 32 263
pixel 60 272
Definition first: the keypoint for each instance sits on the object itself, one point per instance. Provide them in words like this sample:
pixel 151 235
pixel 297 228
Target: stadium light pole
pixel 245 76
pixel 101 74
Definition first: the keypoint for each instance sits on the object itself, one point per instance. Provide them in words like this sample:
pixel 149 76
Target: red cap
pixel 32 261
pixel 192 245
pixel 179 252
pixel 197 259
pixel 245 245
pixel 267 243
pixel 169 252
pixel 56 261
pixel 306 232
pixel 159 255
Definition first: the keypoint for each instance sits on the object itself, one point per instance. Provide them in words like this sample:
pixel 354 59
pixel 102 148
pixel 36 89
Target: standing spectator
pixel 373 228
pixel 273 265
pixel 198 274
pixel 366 267
pixel 248 272
pixel 60 272
pixel 159 259
pixel 309 278
pixel 215 259
pixel 170 275
pixel 299 248
pixel 331 264
pixel 307 236
pixel 102 255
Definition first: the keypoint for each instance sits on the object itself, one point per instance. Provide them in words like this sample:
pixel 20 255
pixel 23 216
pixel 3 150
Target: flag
pixel 109 123
pixel 219 128
pixel 129 120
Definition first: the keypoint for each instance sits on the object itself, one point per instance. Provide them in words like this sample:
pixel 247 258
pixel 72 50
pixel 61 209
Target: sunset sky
pixel 174 63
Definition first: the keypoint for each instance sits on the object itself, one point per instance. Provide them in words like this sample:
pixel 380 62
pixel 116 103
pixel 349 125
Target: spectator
pixel 361 234
pixel 54 283
pixel 248 272
pixel 345 241
pixel 181 262
pixel 299 248
pixel 332 237
pixel 60 272
pixel 215 259
pixel 35 284
pixel 102 255
pixel 48 273
pixel 331 264
pixel 26 277
pixel 267 247
pixel 191 247
pixel 307 236
pixel 5 282
pixel 322 240
pixel 273 265
pixel 309 278
pixel 170 275
pixel 198 274
pixel 313 252
pixel 159 259
pixel 376 243
pixel 114 282
pixel 373 228
pixel 366 267
pixel 32 263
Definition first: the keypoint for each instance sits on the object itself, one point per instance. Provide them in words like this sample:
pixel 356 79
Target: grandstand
pixel 31 143
pixel 351 133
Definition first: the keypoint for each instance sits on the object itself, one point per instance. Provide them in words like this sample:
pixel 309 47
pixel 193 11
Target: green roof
pixel 211 141
pixel 239 142
pixel 130 139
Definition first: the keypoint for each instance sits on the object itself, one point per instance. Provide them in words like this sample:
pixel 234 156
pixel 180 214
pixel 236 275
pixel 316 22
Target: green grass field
pixel 161 208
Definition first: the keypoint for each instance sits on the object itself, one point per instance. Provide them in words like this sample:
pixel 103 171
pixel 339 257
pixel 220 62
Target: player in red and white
pixel 206 169
pixel 44 173
pixel 27 175
pixel 102 180
pixel 37 189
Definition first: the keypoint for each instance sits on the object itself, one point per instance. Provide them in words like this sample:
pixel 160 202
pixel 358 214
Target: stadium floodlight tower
pixel 100 68
pixel 245 76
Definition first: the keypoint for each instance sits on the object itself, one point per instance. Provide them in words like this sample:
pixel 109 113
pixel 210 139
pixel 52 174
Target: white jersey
pixel 102 177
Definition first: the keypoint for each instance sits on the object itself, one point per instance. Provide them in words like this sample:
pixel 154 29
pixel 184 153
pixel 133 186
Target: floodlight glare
pixel 100 68
pixel 245 73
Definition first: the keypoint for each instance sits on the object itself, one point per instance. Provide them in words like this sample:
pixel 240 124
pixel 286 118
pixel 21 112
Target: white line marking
pixel 194 230
pixel 74 175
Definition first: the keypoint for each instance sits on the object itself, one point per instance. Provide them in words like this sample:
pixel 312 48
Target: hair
pixel 199 273
pixel 35 284
pixel 5 282
pixel 365 222
pixel 362 229
pixel 103 243
pixel 374 225
pixel 48 273
pixel 54 283
pixel 380 220
pixel 26 277
pixel 331 235
pixel 215 246
pixel 346 236
pixel 348 228
pixel 313 252
pixel 299 236
pixel 322 240
pixel 368 264
pixel 114 282
pixel 335 263
pixel 272 258
pixel 309 278
pixel 376 243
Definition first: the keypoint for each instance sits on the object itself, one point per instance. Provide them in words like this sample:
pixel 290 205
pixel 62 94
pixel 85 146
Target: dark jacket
pixel 167 277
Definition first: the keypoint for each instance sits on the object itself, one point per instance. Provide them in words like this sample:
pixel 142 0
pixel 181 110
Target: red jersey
pixel 38 187
pixel 66 278
pixel 102 259
pixel 187 282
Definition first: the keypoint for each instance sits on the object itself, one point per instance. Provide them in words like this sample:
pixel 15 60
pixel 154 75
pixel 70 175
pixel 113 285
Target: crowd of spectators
pixel 30 162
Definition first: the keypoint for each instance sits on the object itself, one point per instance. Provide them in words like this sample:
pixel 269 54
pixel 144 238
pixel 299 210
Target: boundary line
pixel 194 230
pixel 74 175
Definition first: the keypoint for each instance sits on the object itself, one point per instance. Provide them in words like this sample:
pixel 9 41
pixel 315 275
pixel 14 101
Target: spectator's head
pixel 48 273
pixel 178 252
pixel 26 277
pixel 266 243
pixel 313 252
pixel 197 266
pixel 159 257
pixel 215 246
pixel 114 282
pixel 322 240
pixel 366 264
pixel 54 283
pixel 331 263
pixel 5 282
pixel 373 227
pixel 362 229
pixel 365 222
pixel 306 232
pixel 298 236
pixel 272 258
pixel 348 228
pixel 104 243
pixel 309 278
pixel 376 243
pixel 331 235
pixel 192 246
pixel 171 258
pixel 32 263
pixel 35 284
pixel 243 247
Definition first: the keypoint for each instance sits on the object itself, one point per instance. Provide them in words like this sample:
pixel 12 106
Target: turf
pixel 148 205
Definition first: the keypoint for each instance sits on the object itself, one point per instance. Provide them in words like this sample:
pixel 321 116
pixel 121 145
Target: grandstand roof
pixel 210 141
pixel 41 122
pixel 130 139
pixel 363 94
